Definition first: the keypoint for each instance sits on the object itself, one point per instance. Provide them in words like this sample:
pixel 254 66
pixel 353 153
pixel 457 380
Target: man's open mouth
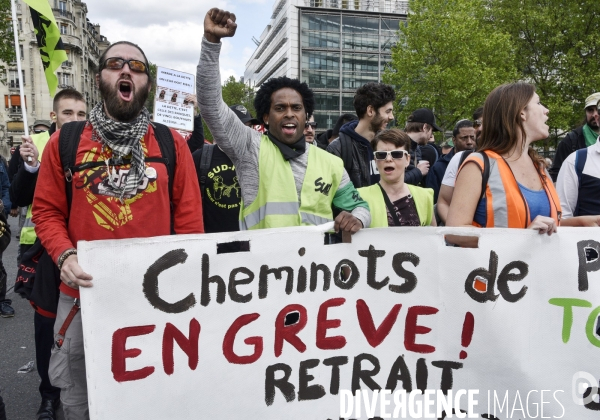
pixel 125 90
pixel 289 129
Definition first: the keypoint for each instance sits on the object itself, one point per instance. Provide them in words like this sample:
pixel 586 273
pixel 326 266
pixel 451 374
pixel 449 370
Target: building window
pixel 64 29
pixel 21 51
pixel 360 33
pixel 13 79
pixel 64 79
pixel 62 6
pixel 321 69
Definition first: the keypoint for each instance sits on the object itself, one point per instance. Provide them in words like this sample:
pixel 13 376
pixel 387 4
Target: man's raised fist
pixel 219 24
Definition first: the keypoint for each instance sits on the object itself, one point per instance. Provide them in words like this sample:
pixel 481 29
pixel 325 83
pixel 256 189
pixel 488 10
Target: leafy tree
pixel 7 40
pixel 448 58
pixel 235 92
pixel 557 48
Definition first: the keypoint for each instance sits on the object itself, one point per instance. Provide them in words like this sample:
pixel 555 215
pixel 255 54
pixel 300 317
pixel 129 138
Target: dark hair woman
pixel 519 192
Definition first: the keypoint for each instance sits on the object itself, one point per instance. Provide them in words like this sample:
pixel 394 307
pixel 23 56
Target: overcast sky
pixel 170 32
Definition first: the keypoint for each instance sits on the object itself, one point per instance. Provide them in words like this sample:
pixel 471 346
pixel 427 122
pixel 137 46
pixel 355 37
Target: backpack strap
pixel 580 159
pixel 68 143
pixel 167 150
pixel 346 151
pixel 485 175
pixel 205 160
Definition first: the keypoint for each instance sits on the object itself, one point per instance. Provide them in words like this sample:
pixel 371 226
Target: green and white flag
pixel 47 33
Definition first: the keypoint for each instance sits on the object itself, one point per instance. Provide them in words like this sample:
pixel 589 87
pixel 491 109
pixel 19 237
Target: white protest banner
pixel 174 330
pixel 171 104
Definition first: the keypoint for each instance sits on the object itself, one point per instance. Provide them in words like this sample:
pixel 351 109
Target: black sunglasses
pixel 117 63
pixel 311 124
pixel 396 154
pixel 39 131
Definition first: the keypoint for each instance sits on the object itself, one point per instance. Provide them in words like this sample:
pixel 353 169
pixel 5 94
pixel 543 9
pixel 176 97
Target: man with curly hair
pixel 284 181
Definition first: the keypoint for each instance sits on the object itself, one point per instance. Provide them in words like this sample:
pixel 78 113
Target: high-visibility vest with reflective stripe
pixel 276 204
pixel 423 198
pixel 28 235
pixel 506 205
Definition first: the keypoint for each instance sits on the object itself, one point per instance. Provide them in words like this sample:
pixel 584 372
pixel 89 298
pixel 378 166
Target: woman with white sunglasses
pixel 394 203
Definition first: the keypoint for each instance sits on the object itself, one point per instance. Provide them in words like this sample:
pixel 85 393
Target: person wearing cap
pixel 374 105
pixel 420 125
pixel 579 138
pixel 39 126
pixel 463 137
pixel 244 115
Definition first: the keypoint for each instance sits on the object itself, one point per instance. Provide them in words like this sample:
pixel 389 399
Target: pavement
pixel 17 348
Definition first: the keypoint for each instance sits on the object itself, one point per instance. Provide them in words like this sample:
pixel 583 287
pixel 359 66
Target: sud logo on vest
pixel 322 186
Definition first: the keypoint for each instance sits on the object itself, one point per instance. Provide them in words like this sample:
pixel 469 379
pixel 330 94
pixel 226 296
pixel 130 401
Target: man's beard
pixel 121 110
pixel 592 123
pixel 377 123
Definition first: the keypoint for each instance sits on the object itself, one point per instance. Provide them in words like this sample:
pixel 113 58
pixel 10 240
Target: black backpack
pixel 68 143
pixel 36 263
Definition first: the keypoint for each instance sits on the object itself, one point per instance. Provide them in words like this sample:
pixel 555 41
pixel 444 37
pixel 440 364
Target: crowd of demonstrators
pixel 369 176
pixel 374 105
pixel 581 137
pixel 68 105
pixel 392 201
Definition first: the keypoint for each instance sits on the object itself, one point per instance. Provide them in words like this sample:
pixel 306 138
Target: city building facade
pixel 335 46
pixel 83 44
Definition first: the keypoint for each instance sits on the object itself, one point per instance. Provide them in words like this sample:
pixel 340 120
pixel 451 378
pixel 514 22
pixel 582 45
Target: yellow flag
pixel 51 47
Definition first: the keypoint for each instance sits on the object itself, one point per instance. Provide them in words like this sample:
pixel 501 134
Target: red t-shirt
pixel 97 214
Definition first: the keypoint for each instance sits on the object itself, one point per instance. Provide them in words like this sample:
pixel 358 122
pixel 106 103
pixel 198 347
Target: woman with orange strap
pixel 519 192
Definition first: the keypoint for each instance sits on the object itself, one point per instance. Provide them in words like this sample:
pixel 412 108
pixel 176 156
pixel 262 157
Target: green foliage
pixel 452 53
pixel 7 40
pixel 557 49
pixel 449 57
pixel 234 93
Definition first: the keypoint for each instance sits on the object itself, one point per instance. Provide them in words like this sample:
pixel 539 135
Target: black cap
pixel 243 114
pixel 424 115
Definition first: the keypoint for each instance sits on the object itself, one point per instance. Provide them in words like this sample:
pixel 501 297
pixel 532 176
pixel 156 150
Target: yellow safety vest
pixel 28 235
pixel 423 198
pixel 276 204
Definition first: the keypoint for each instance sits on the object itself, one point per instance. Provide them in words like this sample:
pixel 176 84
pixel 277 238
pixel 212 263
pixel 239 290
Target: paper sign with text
pixel 393 325
pixel 172 105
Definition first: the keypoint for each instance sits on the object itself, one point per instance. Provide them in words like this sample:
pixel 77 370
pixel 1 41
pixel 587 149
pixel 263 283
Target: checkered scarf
pixel 123 139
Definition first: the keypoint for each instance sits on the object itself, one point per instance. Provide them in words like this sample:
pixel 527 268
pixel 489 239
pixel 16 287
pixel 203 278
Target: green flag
pixel 48 39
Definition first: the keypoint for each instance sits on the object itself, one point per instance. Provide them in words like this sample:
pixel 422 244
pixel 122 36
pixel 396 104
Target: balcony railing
pixel 382 6
pixel 67 64
pixel 15 111
pixel 63 14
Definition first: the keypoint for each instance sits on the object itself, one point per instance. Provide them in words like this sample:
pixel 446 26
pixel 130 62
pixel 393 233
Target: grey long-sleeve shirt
pixel 242 143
